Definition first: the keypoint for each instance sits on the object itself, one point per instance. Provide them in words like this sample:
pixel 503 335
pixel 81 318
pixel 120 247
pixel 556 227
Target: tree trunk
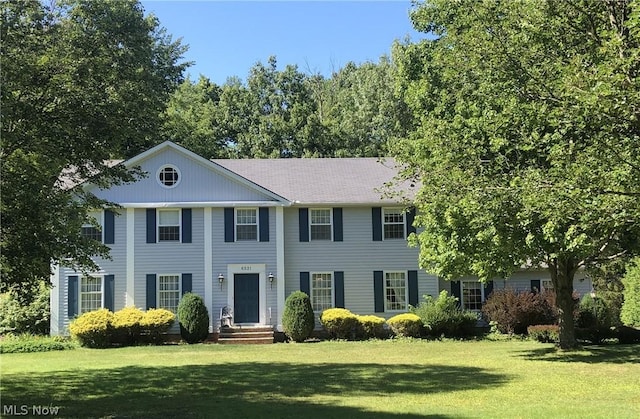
pixel 562 273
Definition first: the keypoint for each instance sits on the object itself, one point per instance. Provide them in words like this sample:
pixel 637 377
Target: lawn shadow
pixel 248 390
pixel 610 354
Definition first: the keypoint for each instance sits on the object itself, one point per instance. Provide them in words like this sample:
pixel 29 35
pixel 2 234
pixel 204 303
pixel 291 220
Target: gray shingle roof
pixel 323 180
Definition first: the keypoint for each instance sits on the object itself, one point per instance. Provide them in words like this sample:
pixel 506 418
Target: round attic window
pixel 169 176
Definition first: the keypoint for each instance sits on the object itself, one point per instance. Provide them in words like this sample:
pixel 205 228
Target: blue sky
pixel 227 38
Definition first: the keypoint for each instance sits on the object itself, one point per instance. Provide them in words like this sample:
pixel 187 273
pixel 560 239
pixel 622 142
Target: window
pixel 472 293
pixel 169 176
pixel 90 293
pixel 395 289
pixel 320 224
pixel 393 223
pixel 547 285
pixel 169 292
pixel 246 224
pixel 90 231
pixel 321 291
pixel 169 225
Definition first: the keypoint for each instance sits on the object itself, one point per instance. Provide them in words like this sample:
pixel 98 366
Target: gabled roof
pixel 317 181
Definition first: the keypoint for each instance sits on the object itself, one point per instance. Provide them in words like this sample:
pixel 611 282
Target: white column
pixel 130 255
pixel 56 311
pixel 208 264
pixel 280 263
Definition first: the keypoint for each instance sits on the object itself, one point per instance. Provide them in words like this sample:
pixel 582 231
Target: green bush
pixel 630 312
pixel 595 321
pixel 628 334
pixel 442 317
pixel 340 323
pixel 156 323
pixel 33 343
pixel 193 318
pixel 513 312
pixel 406 325
pixel 20 316
pixel 297 318
pixel 126 325
pixel 93 329
pixel 372 327
pixel 547 333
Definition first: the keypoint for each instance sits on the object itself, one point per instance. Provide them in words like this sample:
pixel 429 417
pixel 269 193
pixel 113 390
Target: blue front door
pixel 246 291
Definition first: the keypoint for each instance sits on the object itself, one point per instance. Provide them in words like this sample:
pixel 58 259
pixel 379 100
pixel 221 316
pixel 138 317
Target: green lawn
pixel 330 379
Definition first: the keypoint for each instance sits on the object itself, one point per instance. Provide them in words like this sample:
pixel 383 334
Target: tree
pixel 82 82
pixel 630 314
pixel 526 146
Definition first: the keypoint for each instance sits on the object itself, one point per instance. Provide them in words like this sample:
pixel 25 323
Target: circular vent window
pixel 169 176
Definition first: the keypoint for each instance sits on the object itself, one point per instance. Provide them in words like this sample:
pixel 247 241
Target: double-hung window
pixel 169 292
pixel 169 225
pixel 90 293
pixel 395 289
pixel 93 231
pixel 321 291
pixel 320 224
pixel 547 285
pixel 246 224
pixel 393 223
pixel 472 295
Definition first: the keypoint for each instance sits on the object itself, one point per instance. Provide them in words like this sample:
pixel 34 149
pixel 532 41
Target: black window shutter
pixel 378 291
pixel 413 288
pixel 186 225
pixel 535 285
pixel 488 289
pixel 229 225
pixel 455 291
pixel 263 220
pixel 338 281
pixel 109 227
pixel 109 292
pixel 337 224
pixel 186 283
pixel 376 223
pixel 72 304
pixel 411 215
pixel 151 225
pixel 305 286
pixel 151 291
pixel 303 221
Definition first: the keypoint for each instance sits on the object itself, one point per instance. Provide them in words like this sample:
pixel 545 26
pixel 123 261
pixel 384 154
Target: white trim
pixel 168 166
pixel 482 296
pixel 280 278
pixel 54 301
pixel 204 204
pixel 158 275
pixel 93 275
pixel 249 268
pixel 100 220
pixel 333 288
pixel 208 264
pixel 404 222
pixel 406 290
pixel 330 223
pixel 172 225
pixel 235 224
pixel 130 257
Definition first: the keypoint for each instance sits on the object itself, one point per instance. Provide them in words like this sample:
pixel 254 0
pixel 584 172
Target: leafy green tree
pixel 630 314
pixel 527 137
pixel 82 82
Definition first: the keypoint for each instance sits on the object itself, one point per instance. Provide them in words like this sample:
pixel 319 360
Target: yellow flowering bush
pixel 340 323
pixel 93 329
pixel 126 325
pixel 371 326
pixel 406 325
pixel 156 322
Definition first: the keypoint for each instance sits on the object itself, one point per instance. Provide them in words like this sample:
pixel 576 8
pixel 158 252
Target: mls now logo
pixel 24 410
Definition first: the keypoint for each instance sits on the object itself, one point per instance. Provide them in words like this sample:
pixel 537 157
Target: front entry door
pixel 245 294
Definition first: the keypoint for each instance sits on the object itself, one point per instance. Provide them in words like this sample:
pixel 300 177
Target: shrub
pixel 33 343
pixel 548 333
pixel 156 322
pixel 443 317
pixel 514 312
pixel 371 327
pixel 19 316
pixel 630 312
pixel 406 325
pixel 595 320
pixel 126 325
pixel 628 334
pixel 340 323
pixel 193 318
pixel 297 318
pixel 93 329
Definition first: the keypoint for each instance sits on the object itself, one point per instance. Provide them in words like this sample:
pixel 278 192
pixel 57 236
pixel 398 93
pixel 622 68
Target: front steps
pixel 246 335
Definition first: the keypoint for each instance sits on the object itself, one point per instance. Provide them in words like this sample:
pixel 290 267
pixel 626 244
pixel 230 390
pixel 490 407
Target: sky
pixel 226 38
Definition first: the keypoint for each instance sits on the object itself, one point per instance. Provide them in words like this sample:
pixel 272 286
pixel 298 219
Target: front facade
pixel 245 234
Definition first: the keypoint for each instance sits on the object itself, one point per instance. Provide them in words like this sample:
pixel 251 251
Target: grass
pixel 405 379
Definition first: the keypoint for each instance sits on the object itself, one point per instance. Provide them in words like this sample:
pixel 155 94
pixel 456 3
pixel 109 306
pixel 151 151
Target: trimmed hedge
pixel 93 329
pixel 193 317
pixel 406 325
pixel 126 325
pixel 372 327
pixel 156 323
pixel 297 318
pixel 340 323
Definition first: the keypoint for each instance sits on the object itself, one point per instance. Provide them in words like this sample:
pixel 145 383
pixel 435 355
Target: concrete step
pixel 244 335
